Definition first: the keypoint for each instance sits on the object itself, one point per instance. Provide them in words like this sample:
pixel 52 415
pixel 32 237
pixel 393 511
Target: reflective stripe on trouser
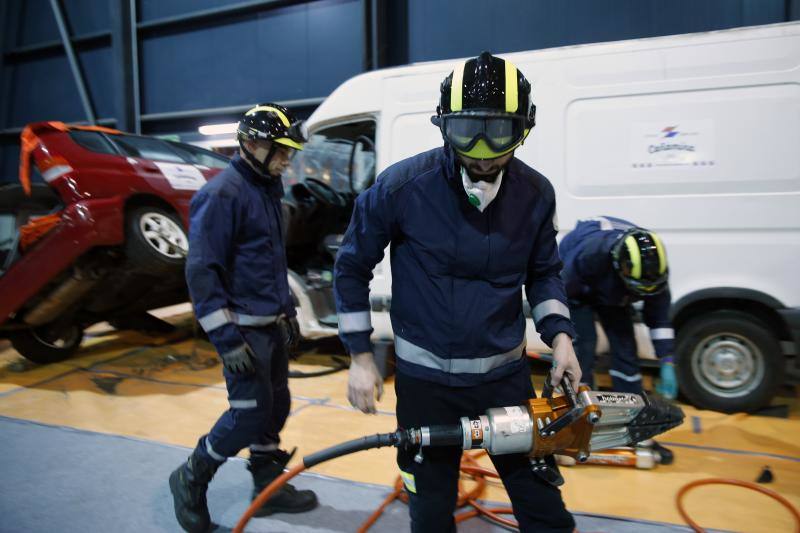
pixel 618 327
pixel 537 505
pixel 411 353
pixel 259 403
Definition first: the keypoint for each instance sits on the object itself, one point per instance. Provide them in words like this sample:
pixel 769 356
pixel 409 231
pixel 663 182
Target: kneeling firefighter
pixel 609 264
pixel 237 277
pixel 460 219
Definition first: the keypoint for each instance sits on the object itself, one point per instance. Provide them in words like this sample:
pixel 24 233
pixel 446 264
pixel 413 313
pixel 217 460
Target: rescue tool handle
pixel 566 386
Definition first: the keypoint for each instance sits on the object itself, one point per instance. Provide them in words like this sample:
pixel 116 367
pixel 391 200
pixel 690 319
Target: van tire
pixel 728 361
pixel 44 346
pixel 147 250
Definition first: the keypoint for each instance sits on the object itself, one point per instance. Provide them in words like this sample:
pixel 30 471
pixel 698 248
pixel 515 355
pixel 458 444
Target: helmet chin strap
pixel 260 167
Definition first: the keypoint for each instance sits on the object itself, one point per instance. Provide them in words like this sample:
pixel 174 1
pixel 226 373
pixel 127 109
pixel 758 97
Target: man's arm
pixel 211 231
pixel 362 248
pixel 547 297
pixel 656 317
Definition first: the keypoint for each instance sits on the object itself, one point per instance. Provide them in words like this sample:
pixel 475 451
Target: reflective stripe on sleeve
pixel 549 307
pixel 354 322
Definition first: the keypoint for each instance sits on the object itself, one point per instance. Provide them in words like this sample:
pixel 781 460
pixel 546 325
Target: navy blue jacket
pixel 457 273
pixel 590 278
pixel 236 268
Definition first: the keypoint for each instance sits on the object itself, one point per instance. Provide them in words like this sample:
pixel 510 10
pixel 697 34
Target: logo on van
pixel 670 131
pixel 672 144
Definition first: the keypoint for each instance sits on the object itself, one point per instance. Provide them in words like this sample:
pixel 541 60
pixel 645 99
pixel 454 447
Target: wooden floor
pixel 172 391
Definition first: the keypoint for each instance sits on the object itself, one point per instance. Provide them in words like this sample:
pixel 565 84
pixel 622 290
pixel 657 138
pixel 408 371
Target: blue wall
pixel 303 50
pixel 439 30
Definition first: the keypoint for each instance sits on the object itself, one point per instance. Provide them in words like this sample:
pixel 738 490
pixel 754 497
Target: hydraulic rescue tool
pixel 572 424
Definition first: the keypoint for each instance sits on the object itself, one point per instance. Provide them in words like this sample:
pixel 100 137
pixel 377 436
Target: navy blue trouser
pixel 617 323
pixel 537 504
pixel 259 402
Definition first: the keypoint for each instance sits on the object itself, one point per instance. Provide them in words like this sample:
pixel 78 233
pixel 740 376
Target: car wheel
pixel 728 361
pixel 48 343
pixel 156 241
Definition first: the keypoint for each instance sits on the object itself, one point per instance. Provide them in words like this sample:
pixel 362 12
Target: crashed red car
pixel 104 238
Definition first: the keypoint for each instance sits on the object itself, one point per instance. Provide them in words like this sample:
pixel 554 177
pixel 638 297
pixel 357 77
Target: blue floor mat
pixel 58 479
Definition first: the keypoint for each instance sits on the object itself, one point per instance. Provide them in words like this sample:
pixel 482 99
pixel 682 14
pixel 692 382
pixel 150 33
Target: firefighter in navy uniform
pixel 609 264
pixel 237 277
pixel 460 221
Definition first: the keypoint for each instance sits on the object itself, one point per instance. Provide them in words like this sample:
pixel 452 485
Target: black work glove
pixel 291 331
pixel 239 360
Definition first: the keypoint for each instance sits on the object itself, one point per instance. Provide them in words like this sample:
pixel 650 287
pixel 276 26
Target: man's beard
pixel 476 174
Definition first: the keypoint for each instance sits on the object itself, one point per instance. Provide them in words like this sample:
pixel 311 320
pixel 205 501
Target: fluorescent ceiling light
pixel 218 129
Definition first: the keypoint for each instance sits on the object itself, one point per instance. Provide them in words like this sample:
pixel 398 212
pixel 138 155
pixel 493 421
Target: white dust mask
pixel 482 193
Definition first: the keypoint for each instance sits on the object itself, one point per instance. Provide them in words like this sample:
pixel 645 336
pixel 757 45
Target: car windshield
pixel 326 157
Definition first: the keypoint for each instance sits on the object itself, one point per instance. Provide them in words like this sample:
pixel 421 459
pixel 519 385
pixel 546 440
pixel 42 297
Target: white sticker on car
pixel 182 177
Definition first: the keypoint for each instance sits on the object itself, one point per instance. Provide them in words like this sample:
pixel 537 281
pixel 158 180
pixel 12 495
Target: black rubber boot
pixel 266 467
pixel 188 485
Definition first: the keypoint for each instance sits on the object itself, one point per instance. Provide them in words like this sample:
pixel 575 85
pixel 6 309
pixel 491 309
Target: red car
pixel 104 239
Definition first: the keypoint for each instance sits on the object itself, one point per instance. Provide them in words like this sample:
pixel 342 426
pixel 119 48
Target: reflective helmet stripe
pixel 662 253
pixel 457 87
pixel 278 112
pixel 635 255
pixel 512 97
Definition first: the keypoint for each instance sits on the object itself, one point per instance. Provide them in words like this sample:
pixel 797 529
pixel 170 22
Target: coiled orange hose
pixel 736 482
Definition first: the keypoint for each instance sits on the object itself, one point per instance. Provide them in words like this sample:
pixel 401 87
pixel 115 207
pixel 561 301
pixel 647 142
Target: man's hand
pixel 239 361
pixel 565 361
pixel 668 388
pixel 291 330
pixel 362 381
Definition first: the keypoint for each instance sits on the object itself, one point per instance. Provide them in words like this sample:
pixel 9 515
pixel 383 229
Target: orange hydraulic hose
pixel 723 481
pixel 265 495
pixel 398 488
pixel 469 466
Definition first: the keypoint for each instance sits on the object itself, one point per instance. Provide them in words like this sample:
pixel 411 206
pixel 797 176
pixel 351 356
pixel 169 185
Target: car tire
pixel 47 344
pixel 728 361
pixel 156 241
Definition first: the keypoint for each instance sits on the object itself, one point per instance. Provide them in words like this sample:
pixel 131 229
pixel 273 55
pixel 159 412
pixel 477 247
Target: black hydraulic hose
pixel 450 435
pixel 398 438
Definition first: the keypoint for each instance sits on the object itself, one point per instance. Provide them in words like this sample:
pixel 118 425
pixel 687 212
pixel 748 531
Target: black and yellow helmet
pixel 485 108
pixel 640 259
pixel 271 122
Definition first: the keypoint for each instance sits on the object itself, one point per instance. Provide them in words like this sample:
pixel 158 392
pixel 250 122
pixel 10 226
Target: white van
pixel 694 136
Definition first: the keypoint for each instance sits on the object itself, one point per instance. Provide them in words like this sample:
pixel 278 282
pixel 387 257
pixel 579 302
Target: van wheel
pixel 156 241
pixel 49 343
pixel 728 361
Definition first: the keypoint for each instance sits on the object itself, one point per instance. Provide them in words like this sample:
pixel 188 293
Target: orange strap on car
pixel 60 126
pixel 36 229
pixel 28 141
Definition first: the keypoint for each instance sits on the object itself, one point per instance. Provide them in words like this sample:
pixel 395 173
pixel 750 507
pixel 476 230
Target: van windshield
pixel 326 157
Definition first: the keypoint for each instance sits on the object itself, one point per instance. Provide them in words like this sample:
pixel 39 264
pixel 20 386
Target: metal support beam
pixel 125 48
pixel 73 61
pixel 215 14
pixel 79 42
pixel 380 44
pixel 230 110
pixel 9 18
